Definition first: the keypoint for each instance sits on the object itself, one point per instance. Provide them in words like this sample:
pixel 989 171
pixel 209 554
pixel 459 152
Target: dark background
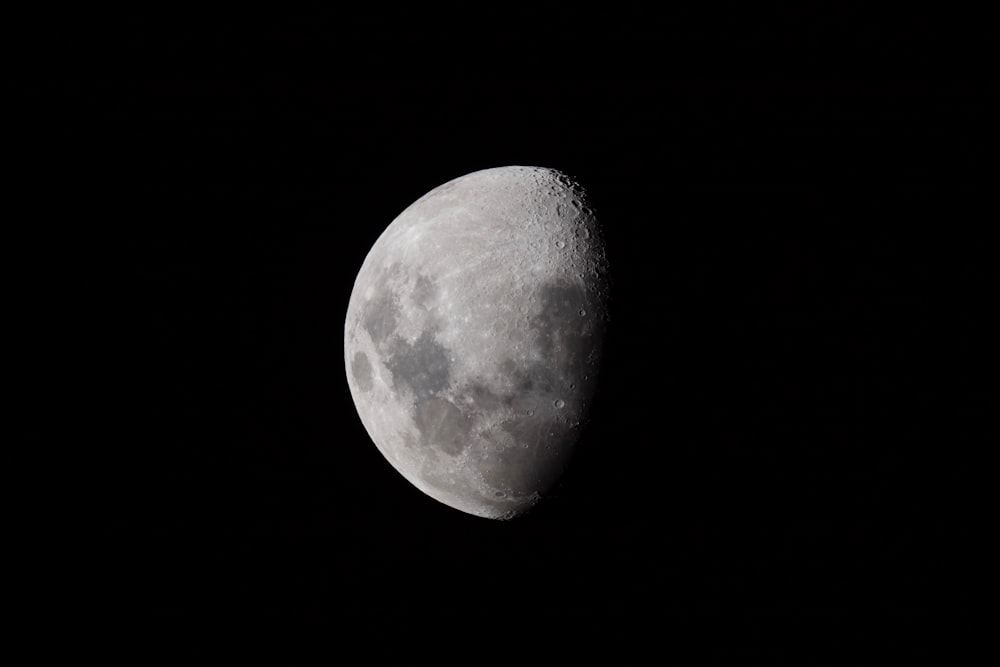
pixel 795 242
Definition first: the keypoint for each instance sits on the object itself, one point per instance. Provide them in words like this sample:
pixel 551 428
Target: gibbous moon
pixel 474 334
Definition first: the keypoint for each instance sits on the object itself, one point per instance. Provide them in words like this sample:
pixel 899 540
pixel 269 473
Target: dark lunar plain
pixel 775 463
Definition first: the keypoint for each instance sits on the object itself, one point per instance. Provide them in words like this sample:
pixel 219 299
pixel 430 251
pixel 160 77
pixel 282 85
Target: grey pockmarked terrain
pixel 474 335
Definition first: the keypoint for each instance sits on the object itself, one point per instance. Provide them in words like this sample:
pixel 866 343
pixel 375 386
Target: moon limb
pixel 478 314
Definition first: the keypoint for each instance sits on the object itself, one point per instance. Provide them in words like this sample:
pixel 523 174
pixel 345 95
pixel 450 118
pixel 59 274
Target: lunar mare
pixel 474 333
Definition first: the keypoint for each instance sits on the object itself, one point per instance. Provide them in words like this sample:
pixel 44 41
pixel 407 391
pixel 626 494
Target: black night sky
pixel 789 378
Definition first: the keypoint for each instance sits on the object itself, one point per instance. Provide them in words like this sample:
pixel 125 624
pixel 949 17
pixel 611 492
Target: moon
pixel 474 336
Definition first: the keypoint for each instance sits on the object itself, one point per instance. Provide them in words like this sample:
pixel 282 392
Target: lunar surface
pixel 474 334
